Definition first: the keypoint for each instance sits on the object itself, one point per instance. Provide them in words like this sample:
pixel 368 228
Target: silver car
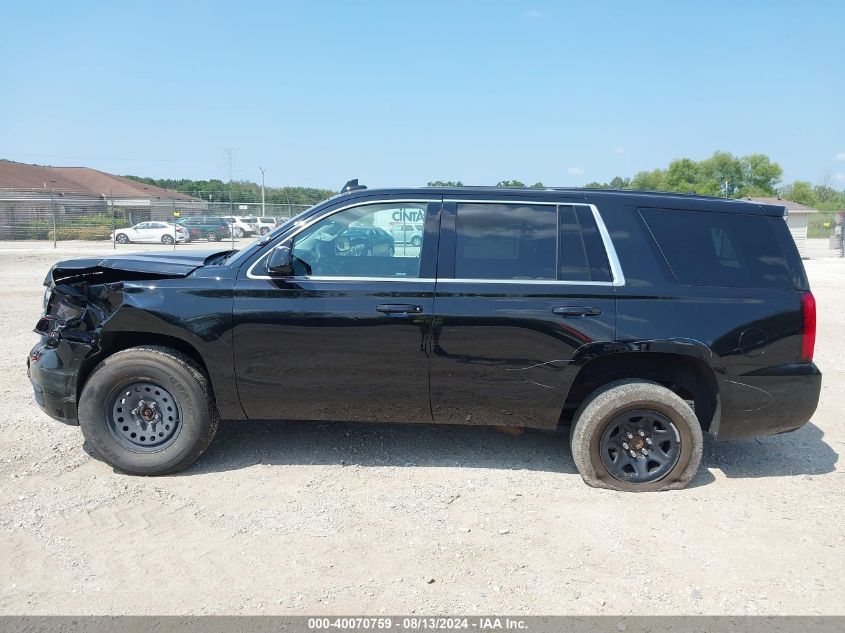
pixel 407 234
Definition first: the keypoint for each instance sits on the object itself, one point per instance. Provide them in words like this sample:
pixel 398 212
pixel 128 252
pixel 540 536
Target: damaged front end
pixel 69 333
pixel 80 298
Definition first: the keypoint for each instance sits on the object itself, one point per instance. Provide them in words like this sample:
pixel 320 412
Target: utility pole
pixel 263 209
pixel 53 212
pixel 229 154
pixel 113 220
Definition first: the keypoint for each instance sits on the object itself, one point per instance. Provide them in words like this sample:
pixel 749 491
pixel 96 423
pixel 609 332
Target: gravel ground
pixel 339 518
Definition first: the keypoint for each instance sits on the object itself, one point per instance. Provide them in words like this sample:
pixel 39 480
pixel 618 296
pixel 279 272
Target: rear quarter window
pixel 704 248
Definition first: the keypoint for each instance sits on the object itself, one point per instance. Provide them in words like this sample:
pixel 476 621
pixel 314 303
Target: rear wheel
pixel 122 238
pixel 167 239
pixel 239 232
pixel 148 411
pixel 213 237
pixel 635 435
pixel 416 240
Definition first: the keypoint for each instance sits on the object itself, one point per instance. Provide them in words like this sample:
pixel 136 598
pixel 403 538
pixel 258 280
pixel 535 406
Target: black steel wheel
pixel 640 446
pixel 139 426
pixel 635 435
pixel 143 416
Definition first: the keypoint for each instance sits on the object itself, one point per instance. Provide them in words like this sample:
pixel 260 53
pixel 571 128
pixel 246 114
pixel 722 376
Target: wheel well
pixel 688 377
pixel 118 341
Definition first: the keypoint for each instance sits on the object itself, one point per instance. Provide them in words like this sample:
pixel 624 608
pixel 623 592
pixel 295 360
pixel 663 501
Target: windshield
pixel 258 242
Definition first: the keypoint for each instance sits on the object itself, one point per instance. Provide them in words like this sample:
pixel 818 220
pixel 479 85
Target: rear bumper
pixel 764 402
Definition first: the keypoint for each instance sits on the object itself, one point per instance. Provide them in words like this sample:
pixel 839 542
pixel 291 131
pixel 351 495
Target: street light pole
pixel 263 210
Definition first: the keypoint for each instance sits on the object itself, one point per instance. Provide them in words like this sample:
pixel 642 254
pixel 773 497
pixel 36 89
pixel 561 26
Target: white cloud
pixel 534 14
pixel 839 177
pixel 840 156
pixel 575 171
pixel 619 150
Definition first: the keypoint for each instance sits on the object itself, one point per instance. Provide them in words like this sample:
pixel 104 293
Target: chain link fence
pixel 42 214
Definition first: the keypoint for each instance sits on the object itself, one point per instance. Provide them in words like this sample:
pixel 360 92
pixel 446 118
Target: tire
pixel 239 233
pixel 121 238
pixel 194 418
pixel 631 404
pixel 416 240
pixel 167 239
pixel 213 237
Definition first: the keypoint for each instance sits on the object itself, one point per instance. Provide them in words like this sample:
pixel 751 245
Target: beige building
pixel 798 216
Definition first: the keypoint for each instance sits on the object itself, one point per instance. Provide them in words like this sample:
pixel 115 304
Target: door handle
pixel 576 311
pixel 399 308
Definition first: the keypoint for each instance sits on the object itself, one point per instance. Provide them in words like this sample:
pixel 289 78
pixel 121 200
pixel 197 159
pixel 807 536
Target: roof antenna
pixel 352 185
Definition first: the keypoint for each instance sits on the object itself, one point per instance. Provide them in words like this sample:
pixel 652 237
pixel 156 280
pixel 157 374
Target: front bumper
pixel 54 373
pixel 764 402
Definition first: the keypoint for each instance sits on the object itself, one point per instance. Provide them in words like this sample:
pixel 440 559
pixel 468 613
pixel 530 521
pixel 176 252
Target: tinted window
pixel 719 249
pixel 351 243
pixel 582 255
pixel 505 241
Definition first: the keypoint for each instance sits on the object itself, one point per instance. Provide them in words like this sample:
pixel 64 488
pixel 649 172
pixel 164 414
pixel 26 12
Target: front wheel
pixel 148 411
pixel 634 435
pixel 122 238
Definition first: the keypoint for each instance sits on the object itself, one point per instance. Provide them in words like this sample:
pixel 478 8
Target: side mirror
pixel 280 262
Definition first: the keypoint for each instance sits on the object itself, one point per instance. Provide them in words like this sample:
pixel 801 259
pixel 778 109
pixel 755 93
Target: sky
pixel 402 93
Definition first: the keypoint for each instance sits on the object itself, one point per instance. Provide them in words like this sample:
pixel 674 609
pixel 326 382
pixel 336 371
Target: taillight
pixel 808 341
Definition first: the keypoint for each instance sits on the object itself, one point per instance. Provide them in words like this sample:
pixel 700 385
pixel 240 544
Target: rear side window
pixel 505 241
pixel 719 249
pixel 582 256
pixel 520 241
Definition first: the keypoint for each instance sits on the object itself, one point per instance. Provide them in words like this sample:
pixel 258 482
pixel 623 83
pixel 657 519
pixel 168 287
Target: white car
pixel 241 226
pixel 265 224
pixel 151 232
pixel 407 234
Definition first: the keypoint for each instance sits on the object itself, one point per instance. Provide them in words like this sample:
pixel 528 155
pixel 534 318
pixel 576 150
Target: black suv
pixel 211 228
pixel 639 319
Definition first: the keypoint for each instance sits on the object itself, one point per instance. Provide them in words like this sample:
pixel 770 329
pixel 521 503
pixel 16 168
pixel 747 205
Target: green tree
pixel 445 183
pixel 649 180
pixel 802 192
pixel 724 169
pixel 510 184
pixel 760 174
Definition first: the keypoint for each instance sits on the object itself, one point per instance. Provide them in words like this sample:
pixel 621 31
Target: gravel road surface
pixel 338 518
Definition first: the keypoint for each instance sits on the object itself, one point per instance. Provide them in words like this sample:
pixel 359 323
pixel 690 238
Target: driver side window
pixel 357 242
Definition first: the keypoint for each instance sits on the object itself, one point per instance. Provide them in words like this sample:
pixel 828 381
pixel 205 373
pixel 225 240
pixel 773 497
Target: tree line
pixel 241 190
pixel 722 174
